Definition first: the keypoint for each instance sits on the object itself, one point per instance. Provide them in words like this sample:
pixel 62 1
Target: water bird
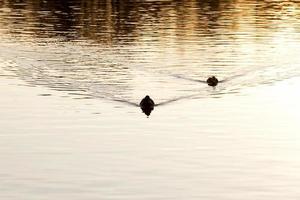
pixel 212 81
pixel 147 105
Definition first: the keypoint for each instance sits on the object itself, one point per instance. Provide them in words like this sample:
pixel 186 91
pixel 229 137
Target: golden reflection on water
pixel 114 22
pixel 121 48
pixel 190 38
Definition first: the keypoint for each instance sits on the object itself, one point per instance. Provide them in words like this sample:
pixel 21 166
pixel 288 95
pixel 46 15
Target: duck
pixel 212 81
pixel 147 105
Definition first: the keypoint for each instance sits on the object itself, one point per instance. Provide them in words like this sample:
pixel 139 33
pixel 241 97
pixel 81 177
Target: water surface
pixel 72 74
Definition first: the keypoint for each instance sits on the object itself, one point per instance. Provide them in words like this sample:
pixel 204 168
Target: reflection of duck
pixel 212 81
pixel 147 105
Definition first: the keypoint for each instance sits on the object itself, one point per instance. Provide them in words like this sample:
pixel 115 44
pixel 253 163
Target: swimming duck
pixel 212 81
pixel 147 105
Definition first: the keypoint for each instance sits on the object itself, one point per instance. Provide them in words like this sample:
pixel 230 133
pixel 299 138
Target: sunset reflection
pixel 121 22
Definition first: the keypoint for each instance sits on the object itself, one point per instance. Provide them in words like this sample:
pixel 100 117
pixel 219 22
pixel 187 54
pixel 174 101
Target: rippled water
pixel 72 75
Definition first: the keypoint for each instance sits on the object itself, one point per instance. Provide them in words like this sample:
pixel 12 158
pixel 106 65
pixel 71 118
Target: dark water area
pixel 122 22
pixel 73 74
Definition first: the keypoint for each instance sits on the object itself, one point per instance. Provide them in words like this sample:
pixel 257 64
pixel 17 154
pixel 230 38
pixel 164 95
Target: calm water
pixel 73 72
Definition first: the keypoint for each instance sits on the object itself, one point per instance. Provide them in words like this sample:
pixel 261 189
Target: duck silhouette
pixel 147 105
pixel 212 81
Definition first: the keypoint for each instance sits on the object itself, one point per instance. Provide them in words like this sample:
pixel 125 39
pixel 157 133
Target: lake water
pixel 72 74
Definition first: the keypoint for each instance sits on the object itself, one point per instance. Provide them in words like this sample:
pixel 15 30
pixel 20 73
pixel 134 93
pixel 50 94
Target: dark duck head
pixel 212 81
pixel 147 105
